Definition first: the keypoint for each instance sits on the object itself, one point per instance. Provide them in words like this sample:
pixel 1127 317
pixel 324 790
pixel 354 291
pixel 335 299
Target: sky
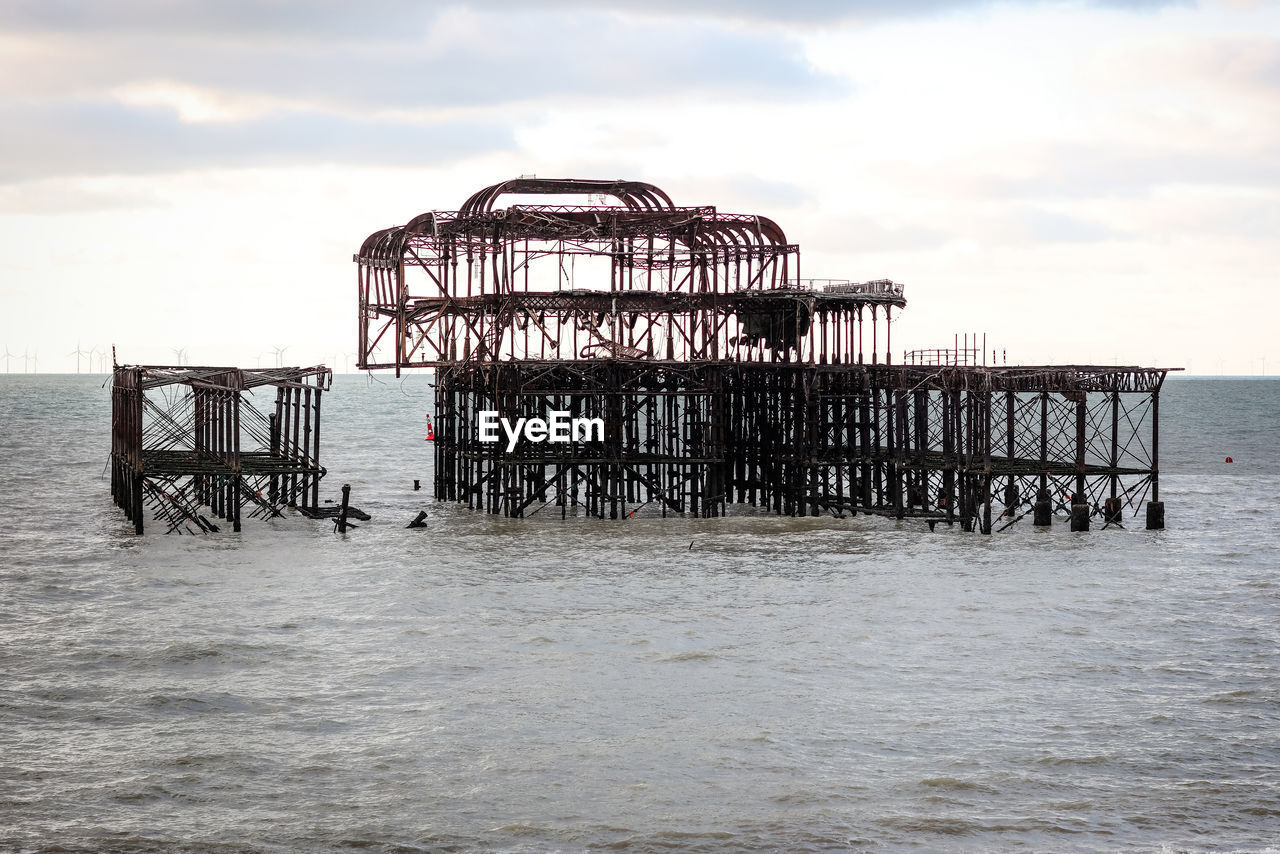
pixel 1084 182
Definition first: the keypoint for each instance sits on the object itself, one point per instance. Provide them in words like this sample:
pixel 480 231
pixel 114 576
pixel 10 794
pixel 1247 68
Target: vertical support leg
pixel 1080 497
pixel 864 438
pixel 1079 500
pixel 1155 509
pixel 1011 497
pixel 985 439
pixel 1042 496
pixel 136 500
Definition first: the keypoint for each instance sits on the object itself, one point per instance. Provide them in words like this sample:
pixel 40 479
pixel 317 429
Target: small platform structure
pixel 189 439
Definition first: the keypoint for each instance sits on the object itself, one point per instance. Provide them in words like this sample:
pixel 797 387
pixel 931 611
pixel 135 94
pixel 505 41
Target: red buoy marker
pixel 1230 460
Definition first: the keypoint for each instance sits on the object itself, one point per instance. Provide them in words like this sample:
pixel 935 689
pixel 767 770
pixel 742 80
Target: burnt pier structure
pixel 719 376
pixel 187 439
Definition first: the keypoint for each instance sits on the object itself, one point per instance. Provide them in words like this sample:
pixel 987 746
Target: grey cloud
pixel 65 120
pixel 380 20
pixel 95 138
pixel 511 58
pixel 390 20
pixel 820 11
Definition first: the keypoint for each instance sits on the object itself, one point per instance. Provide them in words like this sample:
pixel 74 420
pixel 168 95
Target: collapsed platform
pixel 186 438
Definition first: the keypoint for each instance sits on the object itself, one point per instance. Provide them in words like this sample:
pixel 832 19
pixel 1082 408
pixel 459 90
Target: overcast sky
pixel 1083 181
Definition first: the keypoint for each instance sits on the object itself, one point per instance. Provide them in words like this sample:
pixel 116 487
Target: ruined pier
pixel 722 377
pixel 184 439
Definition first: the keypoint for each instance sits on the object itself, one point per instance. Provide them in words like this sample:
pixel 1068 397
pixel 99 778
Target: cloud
pixel 266 20
pixel 1028 225
pixel 145 87
pixel 56 197
pixel 825 11
pixel 1104 171
pixel 393 20
pixel 1231 65
pixel 458 59
pixel 847 232
pixel 739 193
pixel 99 137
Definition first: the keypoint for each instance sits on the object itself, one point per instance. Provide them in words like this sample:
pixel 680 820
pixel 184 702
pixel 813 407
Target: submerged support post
pixel 136 501
pixel 1155 507
pixel 1012 498
pixel 864 437
pixel 1043 494
pixel 1112 513
pixel 1043 510
pixel 897 451
pixel 1079 496
pixel 948 498
pixel 986 457
pixel 236 470
pixel 342 511
pixel 1115 448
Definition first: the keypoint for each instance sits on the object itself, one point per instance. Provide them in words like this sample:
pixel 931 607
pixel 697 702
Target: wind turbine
pixel 78 352
pixel 180 352
pixel 279 351
pixel 101 358
pixel 7 356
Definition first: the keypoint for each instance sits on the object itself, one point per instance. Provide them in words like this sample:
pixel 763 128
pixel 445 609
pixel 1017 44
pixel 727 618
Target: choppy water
pixel 539 685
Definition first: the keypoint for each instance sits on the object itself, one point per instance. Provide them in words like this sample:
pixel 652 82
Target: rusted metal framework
pixel 184 439
pixel 638 278
pixel 720 376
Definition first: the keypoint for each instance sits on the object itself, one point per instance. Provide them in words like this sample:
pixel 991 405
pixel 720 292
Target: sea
pixel 747 683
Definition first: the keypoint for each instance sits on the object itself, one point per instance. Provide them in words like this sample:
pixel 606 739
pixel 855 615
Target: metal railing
pixel 885 287
pixel 944 356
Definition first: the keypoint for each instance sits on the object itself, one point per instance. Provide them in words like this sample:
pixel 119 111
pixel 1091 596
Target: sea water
pixel 742 683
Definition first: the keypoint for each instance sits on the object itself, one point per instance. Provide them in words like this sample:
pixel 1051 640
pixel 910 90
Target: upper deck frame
pixel 685 283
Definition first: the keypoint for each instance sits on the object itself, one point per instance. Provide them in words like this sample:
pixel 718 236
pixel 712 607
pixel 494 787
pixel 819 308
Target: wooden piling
pixel 344 508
